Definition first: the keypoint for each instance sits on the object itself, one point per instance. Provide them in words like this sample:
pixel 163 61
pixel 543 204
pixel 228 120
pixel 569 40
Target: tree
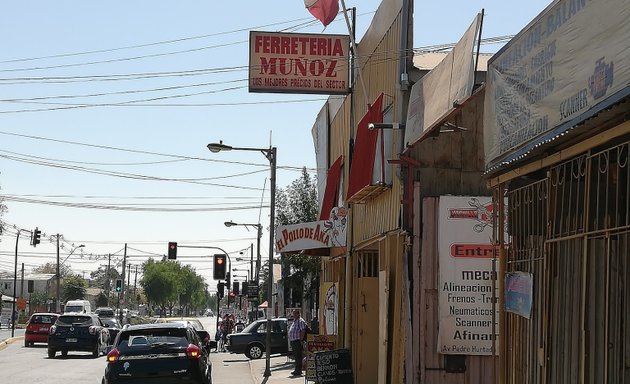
pixel 101 300
pixel 100 279
pixel 298 204
pixel 64 270
pixel 74 288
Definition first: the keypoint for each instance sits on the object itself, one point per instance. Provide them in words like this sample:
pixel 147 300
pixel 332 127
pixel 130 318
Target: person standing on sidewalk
pixel 296 335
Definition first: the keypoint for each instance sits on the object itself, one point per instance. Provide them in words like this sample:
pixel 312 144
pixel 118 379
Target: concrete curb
pixel 4 343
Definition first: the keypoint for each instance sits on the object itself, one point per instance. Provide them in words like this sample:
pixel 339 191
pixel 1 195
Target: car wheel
pixel 51 353
pixel 26 344
pixel 64 353
pixel 254 351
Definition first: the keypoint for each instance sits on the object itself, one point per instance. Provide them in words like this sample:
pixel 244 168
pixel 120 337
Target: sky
pixel 106 109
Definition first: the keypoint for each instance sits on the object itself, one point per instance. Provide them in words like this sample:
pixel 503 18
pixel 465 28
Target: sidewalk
pixel 281 368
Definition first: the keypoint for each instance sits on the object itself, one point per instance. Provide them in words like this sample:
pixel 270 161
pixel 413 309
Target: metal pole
pixel 108 277
pixel 58 304
pixel 271 155
pixel 17 238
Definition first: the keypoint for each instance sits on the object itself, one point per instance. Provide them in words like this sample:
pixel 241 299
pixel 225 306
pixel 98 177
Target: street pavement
pixel 226 367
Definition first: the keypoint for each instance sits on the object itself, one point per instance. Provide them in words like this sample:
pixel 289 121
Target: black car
pixel 104 312
pixel 113 326
pixel 251 340
pixel 77 332
pixel 158 353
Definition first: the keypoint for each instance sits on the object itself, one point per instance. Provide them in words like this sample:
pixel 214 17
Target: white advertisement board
pixel 465 277
pixel 567 64
pixel 316 234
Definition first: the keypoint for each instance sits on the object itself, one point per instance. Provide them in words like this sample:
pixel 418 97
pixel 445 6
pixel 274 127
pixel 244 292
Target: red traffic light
pixel 172 250
pixel 219 261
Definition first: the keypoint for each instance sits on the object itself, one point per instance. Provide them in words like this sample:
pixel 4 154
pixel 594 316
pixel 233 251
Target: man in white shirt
pixel 296 335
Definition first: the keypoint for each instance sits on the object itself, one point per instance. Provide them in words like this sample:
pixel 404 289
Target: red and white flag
pixel 324 10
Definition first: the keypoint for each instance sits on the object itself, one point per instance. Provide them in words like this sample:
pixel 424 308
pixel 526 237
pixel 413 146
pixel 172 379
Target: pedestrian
pixel 296 336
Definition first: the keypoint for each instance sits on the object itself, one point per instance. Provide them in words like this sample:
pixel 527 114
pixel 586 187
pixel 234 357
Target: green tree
pixel 74 287
pixel 101 300
pixel 100 279
pixel 298 204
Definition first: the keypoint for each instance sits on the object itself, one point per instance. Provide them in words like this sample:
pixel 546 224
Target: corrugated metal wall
pixel 569 225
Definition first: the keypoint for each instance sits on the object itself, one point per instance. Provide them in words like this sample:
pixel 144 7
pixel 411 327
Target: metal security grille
pixel 570 228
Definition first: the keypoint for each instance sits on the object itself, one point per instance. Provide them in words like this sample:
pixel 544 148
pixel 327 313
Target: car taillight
pixel 92 330
pixel 193 351
pixel 112 356
pixel 52 329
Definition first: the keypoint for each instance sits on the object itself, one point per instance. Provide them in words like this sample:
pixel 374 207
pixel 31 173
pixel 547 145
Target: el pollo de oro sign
pixel 298 63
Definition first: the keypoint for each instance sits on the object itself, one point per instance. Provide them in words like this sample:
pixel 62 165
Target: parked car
pixel 113 327
pixel 104 312
pixel 251 340
pixel 190 320
pixel 37 328
pixel 158 352
pixel 77 332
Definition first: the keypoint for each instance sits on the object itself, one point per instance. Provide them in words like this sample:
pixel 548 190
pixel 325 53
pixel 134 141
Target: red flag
pixel 323 10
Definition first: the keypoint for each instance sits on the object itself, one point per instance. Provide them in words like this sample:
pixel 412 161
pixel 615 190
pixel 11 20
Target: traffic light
pixel 118 285
pixel 235 288
pixel 227 280
pixel 220 267
pixel 244 288
pixel 220 290
pixel 37 235
pixel 172 250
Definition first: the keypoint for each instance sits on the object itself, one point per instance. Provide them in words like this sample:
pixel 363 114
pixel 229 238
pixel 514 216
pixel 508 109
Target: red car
pixel 37 328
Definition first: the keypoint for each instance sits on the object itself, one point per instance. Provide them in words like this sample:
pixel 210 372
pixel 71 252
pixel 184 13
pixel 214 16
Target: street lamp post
pixel 58 304
pixel 259 229
pixel 270 154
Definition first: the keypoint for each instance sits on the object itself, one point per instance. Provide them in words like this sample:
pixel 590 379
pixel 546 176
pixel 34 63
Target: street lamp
pixel 259 229
pixel 270 154
pixel 58 306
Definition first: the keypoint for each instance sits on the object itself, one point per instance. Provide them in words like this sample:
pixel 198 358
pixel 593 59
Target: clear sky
pixel 106 109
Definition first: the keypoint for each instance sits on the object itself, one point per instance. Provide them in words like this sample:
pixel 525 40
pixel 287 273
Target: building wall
pixel 448 164
pixel 370 322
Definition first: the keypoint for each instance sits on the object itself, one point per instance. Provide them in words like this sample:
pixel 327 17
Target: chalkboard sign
pixel 333 366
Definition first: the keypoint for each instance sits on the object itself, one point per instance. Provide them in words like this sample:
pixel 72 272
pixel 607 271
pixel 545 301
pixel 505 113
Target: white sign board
pixel 465 281
pixel 567 64
pixel 316 234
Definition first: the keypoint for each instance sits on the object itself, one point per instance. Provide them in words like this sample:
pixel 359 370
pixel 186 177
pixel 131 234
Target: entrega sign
pixel 298 63
pixel 317 234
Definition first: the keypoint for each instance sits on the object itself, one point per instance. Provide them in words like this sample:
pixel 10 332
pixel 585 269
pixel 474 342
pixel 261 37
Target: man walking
pixel 296 335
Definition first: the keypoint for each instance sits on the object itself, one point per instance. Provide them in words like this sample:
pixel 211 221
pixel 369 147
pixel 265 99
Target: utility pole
pixel 135 282
pixel 57 304
pixel 22 282
pixel 17 238
pixel 108 277
pixel 122 293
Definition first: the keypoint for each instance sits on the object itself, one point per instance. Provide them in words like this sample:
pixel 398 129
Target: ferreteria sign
pixel 298 63
pixel 317 234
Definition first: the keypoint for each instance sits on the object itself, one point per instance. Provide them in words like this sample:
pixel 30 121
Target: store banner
pixel 298 63
pixel 330 308
pixel 567 64
pixel 466 276
pixel 316 234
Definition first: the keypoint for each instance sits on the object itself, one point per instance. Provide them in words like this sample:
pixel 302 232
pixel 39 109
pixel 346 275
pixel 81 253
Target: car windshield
pixel 73 308
pixel 69 320
pixel 250 327
pixel 152 338
pixel 111 323
pixel 43 319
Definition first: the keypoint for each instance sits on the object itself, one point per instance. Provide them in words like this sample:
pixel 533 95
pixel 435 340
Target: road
pixel 32 365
